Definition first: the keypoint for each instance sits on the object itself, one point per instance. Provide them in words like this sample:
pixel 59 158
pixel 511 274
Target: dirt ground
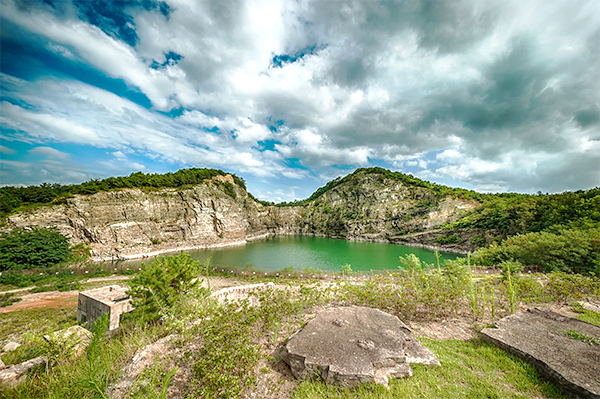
pixel 55 299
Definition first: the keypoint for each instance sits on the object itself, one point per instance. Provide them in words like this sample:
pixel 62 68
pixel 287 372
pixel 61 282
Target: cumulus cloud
pixel 499 95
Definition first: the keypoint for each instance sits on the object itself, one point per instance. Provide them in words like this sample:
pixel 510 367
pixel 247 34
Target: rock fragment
pixel 546 340
pixel 348 346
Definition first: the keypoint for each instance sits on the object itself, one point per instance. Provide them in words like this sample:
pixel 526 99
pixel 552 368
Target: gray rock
pixel 352 345
pixel 16 374
pixel 11 346
pixel 538 337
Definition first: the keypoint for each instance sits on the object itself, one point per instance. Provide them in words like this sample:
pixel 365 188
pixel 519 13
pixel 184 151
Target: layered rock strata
pixel 132 223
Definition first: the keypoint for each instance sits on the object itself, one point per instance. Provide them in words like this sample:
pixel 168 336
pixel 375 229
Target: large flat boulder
pixel 348 346
pixel 540 337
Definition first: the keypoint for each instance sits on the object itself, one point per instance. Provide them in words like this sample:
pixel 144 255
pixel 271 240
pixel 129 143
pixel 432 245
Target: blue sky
pixel 494 96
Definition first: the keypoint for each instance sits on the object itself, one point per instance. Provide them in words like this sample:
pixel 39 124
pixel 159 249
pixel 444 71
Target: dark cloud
pixel 588 117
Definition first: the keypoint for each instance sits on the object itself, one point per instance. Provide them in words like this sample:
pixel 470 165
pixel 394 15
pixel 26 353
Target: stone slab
pixel 16 374
pixel 538 337
pixel 348 346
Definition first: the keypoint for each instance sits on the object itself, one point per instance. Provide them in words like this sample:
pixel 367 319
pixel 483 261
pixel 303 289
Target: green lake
pixel 301 252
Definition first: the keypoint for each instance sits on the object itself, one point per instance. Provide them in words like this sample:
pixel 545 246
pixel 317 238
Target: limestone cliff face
pixel 373 207
pixel 133 223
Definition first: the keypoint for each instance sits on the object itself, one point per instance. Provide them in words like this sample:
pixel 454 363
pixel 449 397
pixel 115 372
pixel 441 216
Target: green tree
pixel 37 248
pixel 566 250
pixel 160 285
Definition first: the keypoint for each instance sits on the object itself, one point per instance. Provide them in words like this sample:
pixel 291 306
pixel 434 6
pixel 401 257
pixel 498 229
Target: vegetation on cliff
pixel 37 248
pixel 13 198
pixel 552 231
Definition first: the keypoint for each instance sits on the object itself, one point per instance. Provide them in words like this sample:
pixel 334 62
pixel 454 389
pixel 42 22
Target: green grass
pixel 33 322
pixel 582 337
pixel 8 299
pixel 590 317
pixel 37 321
pixel 471 369
pixel 69 378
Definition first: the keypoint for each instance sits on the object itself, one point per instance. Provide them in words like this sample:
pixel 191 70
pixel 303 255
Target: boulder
pixel 541 338
pixel 78 334
pixel 159 351
pixel 348 346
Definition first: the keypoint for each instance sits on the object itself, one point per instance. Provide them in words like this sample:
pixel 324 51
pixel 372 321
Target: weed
pixel 8 299
pixel 346 269
pixel 153 382
pixel 582 337
pixel 95 378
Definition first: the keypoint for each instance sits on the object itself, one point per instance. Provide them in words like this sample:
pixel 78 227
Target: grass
pixel 85 376
pixel 32 322
pixel 230 344
pixel 590 317
pixel 8 299
pixel 582 337
pixel 37 321
pixel 470 369
pixel 585 315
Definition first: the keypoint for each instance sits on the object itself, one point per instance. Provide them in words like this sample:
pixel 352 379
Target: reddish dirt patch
pixel 51 299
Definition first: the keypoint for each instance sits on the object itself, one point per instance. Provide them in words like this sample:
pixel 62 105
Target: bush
pixel 567 250
pixel 37 248
pixel 160 285
pixel 451 239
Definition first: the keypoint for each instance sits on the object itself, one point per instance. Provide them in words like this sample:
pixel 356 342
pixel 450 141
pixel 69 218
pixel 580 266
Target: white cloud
pixel 480 91
pixel 6 150
pixel 50 153
pixel 44 125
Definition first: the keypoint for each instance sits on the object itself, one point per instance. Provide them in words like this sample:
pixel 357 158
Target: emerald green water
pixel 301 252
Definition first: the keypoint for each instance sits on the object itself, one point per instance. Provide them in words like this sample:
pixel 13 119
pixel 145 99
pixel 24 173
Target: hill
pixel 145 214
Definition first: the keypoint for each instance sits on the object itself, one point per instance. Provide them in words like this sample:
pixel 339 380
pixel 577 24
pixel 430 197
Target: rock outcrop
pixel 132 223
pixel 553 343
pixel 352 345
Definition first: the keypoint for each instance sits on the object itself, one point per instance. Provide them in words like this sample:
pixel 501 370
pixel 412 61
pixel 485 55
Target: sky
pixel 495 95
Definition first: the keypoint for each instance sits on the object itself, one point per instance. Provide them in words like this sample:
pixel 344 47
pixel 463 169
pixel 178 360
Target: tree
pixel 37 248
pixel 160 285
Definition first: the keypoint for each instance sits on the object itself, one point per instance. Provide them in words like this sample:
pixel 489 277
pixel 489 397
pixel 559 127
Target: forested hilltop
pixel 14 198
pixel 552 231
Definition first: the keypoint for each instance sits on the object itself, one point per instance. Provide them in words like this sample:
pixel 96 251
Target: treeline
pixel 511 214
pixel 557 232
pixel 12 198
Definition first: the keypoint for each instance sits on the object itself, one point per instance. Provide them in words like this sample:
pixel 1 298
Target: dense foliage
pixel 512 214
pixel 36 248
pixel 12 198
pixel 567 250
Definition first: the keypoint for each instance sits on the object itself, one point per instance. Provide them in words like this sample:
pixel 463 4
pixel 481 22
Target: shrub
pixel 568 250
pixel 160 285
pixel 37 248
pixel 451 239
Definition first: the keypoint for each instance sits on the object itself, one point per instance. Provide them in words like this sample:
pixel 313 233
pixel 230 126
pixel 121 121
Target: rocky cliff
pixel 133 222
